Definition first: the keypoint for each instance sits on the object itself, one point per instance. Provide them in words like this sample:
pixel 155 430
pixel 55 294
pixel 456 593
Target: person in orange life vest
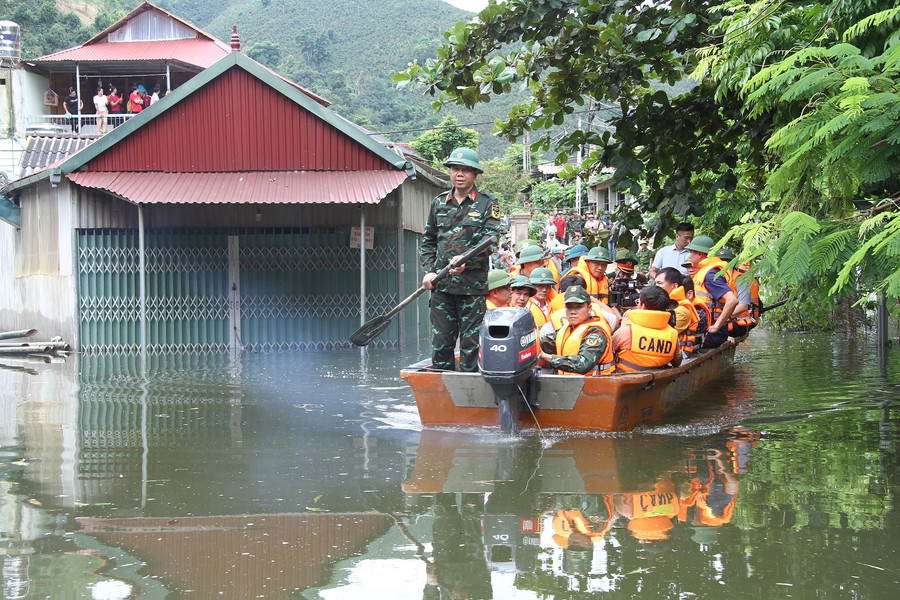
pixel 571 256
pixel 539 304
pixel 741 288
pixel 702 311
pixel 580 346
pixel 645 339
pixel 747 290
pixel 521 291
pixel 558 305
pixel 499 290
pixel 532 257
pixel 686 318
pixel 713 290
pixel 590 273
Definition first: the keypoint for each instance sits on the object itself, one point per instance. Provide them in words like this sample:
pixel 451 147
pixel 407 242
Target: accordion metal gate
pixel 208 291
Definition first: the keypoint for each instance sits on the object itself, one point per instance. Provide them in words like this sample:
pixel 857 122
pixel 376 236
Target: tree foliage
pixel 436 144
pixel 789 143
pixel 44 29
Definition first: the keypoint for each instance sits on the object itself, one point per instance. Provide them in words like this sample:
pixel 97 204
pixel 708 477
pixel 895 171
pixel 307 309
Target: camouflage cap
pixel 577 295
pixel 497 278
pixel 541 276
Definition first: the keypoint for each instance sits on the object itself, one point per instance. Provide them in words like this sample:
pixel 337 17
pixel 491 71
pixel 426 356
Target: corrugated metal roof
pixel 201 53
pixel 252 187
pixel 41 151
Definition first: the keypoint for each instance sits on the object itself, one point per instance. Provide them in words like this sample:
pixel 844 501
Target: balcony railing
pixel 74 124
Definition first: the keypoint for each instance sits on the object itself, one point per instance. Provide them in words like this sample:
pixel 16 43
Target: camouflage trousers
pixel 455 316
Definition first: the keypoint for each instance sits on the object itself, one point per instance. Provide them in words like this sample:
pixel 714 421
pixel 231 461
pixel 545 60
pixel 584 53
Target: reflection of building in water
pixel 251 556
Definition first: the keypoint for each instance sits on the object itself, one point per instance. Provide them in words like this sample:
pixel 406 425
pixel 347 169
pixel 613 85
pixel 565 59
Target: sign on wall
pixel 370 237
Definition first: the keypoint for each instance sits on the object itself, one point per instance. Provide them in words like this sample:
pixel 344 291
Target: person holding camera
pixel 646 340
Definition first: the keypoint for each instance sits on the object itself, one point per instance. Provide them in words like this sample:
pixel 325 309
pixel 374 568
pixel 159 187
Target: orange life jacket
pixel 599 288
pixel 568 343
pixel 688 337
pixel 750 317
pixel 541 316
pixel 706 265
pixel 653 342
pixel 490 304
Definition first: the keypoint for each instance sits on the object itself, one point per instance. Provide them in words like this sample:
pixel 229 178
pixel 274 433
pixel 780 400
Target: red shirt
pixel 137 104
pixel 560 227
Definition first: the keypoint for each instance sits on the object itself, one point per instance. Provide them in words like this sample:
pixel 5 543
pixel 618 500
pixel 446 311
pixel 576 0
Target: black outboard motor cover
pixel 508 350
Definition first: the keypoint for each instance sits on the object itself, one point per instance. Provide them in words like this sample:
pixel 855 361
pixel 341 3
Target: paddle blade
pixel 370 331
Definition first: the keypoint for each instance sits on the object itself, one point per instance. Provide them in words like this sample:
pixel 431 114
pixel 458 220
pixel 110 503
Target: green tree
pixel 267 53
pixel 788 145
pixel 505 179
pixel 436 144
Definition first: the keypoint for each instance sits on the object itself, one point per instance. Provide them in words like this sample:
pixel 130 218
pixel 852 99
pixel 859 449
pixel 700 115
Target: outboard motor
pixel 507 357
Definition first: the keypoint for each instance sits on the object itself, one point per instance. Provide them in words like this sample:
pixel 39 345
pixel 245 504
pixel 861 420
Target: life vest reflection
pixel 506 524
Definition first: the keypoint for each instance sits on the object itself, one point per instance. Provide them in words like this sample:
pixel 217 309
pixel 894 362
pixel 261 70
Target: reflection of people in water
pixel 459 570
pixel 650 513
pixel 713 487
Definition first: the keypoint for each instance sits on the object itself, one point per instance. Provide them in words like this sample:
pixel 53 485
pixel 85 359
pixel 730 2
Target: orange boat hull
pixel 606 403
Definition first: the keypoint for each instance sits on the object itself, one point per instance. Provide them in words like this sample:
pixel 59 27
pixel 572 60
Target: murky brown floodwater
pixel 307 475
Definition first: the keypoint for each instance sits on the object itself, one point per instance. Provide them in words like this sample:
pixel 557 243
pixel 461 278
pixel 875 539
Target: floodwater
pixel 307 475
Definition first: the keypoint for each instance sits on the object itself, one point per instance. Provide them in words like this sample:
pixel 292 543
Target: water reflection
pixel 307 475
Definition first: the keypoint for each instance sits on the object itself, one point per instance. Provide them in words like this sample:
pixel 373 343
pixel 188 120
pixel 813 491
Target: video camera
pixel 625 292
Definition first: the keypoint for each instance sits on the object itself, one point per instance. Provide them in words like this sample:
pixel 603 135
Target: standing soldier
pixel 457 221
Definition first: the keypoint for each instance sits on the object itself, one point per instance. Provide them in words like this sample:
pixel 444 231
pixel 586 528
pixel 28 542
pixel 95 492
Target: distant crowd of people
pixel 110 105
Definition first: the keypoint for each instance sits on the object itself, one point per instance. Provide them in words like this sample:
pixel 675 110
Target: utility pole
pixel 578 159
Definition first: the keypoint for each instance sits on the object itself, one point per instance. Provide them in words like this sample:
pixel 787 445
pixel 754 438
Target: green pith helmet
pixel 531 254
pixel 465 157
pixel 598 254
pixel 524 244
pixel 497 279
pixel 541 276
pixel 701 243
pixel 520 281
pixel 725 253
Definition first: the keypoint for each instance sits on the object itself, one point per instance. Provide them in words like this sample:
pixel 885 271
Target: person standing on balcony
pixel 73 108
pixel 101 104
pixel 135 102
pixel 115 105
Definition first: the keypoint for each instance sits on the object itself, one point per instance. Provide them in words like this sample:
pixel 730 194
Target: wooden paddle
pixel 372 329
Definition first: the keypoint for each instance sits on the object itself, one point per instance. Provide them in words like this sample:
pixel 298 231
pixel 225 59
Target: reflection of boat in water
pixel 606 403
pixel 566 510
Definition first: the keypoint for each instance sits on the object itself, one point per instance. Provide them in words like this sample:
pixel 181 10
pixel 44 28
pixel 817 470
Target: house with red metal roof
pixel 236 212
pixel 148 47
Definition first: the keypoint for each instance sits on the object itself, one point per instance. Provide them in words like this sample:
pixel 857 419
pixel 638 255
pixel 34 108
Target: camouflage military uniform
pixel 593 346
pixel 457 302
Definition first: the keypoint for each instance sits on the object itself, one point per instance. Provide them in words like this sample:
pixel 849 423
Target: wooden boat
pixel 605 403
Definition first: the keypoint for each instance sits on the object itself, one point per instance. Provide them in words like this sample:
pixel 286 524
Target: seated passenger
pixel 498 289
pixel 542 280
pixel 646 340
pixel 702 311
pixel 582 345
pixel 686 318
pixel 521 291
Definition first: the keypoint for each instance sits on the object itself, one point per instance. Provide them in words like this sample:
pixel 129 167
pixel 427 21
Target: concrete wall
pixel 37 285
